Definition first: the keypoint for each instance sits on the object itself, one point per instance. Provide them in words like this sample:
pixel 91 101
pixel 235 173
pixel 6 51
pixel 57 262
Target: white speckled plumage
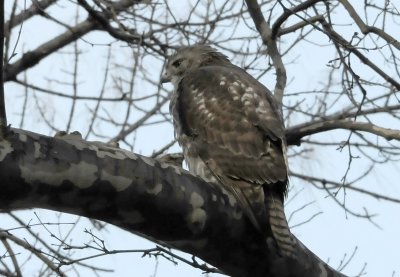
pixel 232 133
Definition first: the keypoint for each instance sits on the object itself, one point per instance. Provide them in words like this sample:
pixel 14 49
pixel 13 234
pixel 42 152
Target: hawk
pixel 232 133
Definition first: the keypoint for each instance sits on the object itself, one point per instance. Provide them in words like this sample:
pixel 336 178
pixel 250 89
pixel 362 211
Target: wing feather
pixel 229 120
pixel 234 123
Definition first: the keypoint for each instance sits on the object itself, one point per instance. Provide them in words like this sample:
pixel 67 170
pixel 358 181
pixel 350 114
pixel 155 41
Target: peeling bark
pixel 152 199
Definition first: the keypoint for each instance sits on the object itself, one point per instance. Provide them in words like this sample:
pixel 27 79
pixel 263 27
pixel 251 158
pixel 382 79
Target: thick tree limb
pixel 143 196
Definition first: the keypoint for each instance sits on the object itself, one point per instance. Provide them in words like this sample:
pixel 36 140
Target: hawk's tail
pixel 286 242
pixel 264 208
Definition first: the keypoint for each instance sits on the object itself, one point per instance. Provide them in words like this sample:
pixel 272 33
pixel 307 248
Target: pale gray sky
pixel 331 235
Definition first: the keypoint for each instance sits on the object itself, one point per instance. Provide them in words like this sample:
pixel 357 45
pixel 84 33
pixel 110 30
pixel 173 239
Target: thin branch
pixel 288 12
pixel 294 134
pixel 346 45
pixel 297 26
pixel 35 251
pixel 3 115
pixel 56 252
pixel 36 8
pixel 365 29
pixel 33 57
pixel 123 133
pixel 266 35
pixel 349 186
pixel 12 256
pixel 123 97
pixel 104 20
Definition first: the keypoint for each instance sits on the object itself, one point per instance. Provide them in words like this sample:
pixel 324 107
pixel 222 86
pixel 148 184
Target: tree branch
pixel 266 35
pixel 38 253
pixel 37 7
pixel 288 12
pixel 155 200
pixel 123 133
pixel 3 115
pixel 104 20
pixel 294 134
pixel 332 34
pixel 33 57
pixel 337 185
pixel 365 29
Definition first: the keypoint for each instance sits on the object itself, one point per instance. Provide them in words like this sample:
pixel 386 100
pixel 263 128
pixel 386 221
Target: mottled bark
pixel 155 200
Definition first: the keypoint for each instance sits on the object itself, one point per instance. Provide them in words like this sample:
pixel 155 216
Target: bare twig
pixel 12 256
pixel 365 29
pixel 288 12
pixel 123 133
pixel 38 253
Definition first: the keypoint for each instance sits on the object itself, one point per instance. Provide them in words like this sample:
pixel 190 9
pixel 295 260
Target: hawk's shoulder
pixel 216 92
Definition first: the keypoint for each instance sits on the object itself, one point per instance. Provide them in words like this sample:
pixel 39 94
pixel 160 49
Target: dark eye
pixel 176 63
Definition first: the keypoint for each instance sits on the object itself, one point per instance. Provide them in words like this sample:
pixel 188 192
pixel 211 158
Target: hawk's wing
pixel 234 121
pixel 235 129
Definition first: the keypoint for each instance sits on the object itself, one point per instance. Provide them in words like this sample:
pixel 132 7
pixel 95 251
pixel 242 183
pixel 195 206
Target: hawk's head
pixel 190 58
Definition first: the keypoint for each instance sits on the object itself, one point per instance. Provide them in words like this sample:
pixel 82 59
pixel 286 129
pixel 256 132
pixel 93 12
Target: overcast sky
pixel 332 235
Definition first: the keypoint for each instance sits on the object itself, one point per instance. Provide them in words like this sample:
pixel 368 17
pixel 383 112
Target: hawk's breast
pixel 190 149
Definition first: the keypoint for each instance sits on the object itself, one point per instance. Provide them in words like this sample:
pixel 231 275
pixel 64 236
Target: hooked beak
pixel 165 78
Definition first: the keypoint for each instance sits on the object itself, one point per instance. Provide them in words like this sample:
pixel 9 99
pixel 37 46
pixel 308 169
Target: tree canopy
pixel 94 66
